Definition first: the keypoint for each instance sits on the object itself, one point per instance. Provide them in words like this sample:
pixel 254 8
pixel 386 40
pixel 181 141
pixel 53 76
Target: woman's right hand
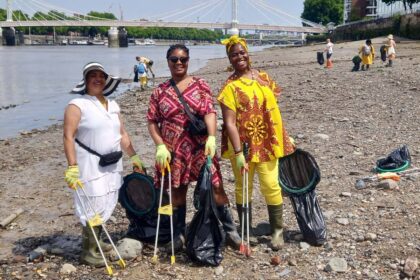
pixel 162 155
pixel 71 176
pixel 240 162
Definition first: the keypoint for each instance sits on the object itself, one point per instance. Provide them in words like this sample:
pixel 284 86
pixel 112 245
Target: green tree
pixel 406 3
pixel 323 11
pixel 3 14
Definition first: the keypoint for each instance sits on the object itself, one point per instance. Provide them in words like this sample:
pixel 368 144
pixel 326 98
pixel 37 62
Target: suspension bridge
pixel 47 15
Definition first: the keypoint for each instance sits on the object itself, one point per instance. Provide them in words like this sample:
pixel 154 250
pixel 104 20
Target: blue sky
pixel 250 11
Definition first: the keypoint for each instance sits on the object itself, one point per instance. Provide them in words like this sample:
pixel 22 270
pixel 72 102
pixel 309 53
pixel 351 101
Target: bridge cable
pixel 209 4
pixel 50 13
pixel 217 3
pixel 195 8
pixel 259 4
pixel 170 14
pixel 259 10
pixel 22 11
pixel 223 10
pixel 48 8
pixel 73 13
pixel 313 24
pixel 40 14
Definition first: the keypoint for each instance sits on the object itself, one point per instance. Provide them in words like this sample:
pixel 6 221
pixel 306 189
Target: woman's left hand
pixel 137 164
pixel 210 148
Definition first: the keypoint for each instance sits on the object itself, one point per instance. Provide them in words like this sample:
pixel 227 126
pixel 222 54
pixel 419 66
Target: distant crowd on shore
pixel 365 56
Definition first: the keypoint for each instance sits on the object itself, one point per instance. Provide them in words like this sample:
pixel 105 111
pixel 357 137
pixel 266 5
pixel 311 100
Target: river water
pixel 37 79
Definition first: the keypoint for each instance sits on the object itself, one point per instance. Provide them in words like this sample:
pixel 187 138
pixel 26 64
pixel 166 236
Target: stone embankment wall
pixel 407 26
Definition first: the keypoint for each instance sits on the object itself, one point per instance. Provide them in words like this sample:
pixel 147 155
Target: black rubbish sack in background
pixel 136 74
pixel 298 176
pixel 382 50
pixel 320 58
pixel 140 199
pixel 205 234
pixel 397 160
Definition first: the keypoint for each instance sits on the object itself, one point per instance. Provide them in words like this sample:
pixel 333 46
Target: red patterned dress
pixel 187 151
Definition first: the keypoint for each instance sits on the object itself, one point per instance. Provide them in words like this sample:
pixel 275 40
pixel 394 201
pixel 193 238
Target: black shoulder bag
pixel 196 126
pixel 104 160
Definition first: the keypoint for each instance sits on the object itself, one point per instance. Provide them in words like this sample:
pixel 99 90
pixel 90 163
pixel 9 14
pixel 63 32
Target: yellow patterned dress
pixel 258 118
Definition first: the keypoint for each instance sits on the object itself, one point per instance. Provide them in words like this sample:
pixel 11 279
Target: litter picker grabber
pixel 245 248
pixel 165 210
pixel 396 176
pixel 96 220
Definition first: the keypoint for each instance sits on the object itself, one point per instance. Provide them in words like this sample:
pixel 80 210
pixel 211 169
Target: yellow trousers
pixel 268 174
pixel 143 81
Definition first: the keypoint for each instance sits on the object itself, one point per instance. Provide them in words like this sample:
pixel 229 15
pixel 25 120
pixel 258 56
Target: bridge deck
pixel 126 23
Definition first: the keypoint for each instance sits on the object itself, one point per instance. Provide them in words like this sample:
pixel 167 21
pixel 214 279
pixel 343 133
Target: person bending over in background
pixel 367 51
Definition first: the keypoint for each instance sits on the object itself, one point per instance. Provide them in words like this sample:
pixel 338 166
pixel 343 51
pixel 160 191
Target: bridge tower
pixel 234 25
pixel 9 10
pixel 7 35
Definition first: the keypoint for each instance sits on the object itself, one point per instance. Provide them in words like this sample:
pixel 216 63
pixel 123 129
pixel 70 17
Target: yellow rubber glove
pixel 135 160
pixel 210 148
pixel 162 155
pixel 71 176
pixel 240 161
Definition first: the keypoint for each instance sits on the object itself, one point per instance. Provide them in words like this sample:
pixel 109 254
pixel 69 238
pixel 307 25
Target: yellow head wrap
pixel 233 40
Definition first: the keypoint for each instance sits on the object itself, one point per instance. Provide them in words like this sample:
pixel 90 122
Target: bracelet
pixel 238 152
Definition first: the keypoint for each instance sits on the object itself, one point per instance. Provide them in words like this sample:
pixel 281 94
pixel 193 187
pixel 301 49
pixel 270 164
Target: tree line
pixel 169 33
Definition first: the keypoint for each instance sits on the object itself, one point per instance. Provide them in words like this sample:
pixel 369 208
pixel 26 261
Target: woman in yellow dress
pixel 251 115
pixel 367 52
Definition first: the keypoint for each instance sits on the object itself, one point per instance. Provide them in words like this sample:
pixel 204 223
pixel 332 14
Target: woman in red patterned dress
pixel 186 153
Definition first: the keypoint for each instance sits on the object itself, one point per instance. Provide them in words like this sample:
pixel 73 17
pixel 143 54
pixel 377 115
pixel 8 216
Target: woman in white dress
pixel 94 123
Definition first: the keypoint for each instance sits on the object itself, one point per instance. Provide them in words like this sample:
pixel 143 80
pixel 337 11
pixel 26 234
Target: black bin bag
pixel 320 58
pixel 397 160
pixel 140 199
pixel 382 50
pixel 205 234
pixel 298 176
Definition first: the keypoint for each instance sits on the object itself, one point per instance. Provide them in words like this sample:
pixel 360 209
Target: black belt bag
pixel 196 125
pixel 104 160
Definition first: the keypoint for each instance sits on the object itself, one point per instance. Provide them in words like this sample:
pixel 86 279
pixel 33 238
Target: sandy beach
pixel 346 120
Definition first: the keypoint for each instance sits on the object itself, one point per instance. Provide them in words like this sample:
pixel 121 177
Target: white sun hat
pixel 111 82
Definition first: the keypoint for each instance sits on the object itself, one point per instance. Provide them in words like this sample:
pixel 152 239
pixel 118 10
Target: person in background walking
pixel 329 52
pixel 95 121
pixel 391 50
pixel 367 52
pixel 185 152
pixel 142 73
pixel 251 115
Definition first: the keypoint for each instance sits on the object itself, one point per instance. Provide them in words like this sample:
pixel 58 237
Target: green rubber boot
pixel 89 253
pixel 106 247
pixel 275 215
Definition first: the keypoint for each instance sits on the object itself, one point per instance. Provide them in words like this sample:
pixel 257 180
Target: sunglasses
pixel 174 59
